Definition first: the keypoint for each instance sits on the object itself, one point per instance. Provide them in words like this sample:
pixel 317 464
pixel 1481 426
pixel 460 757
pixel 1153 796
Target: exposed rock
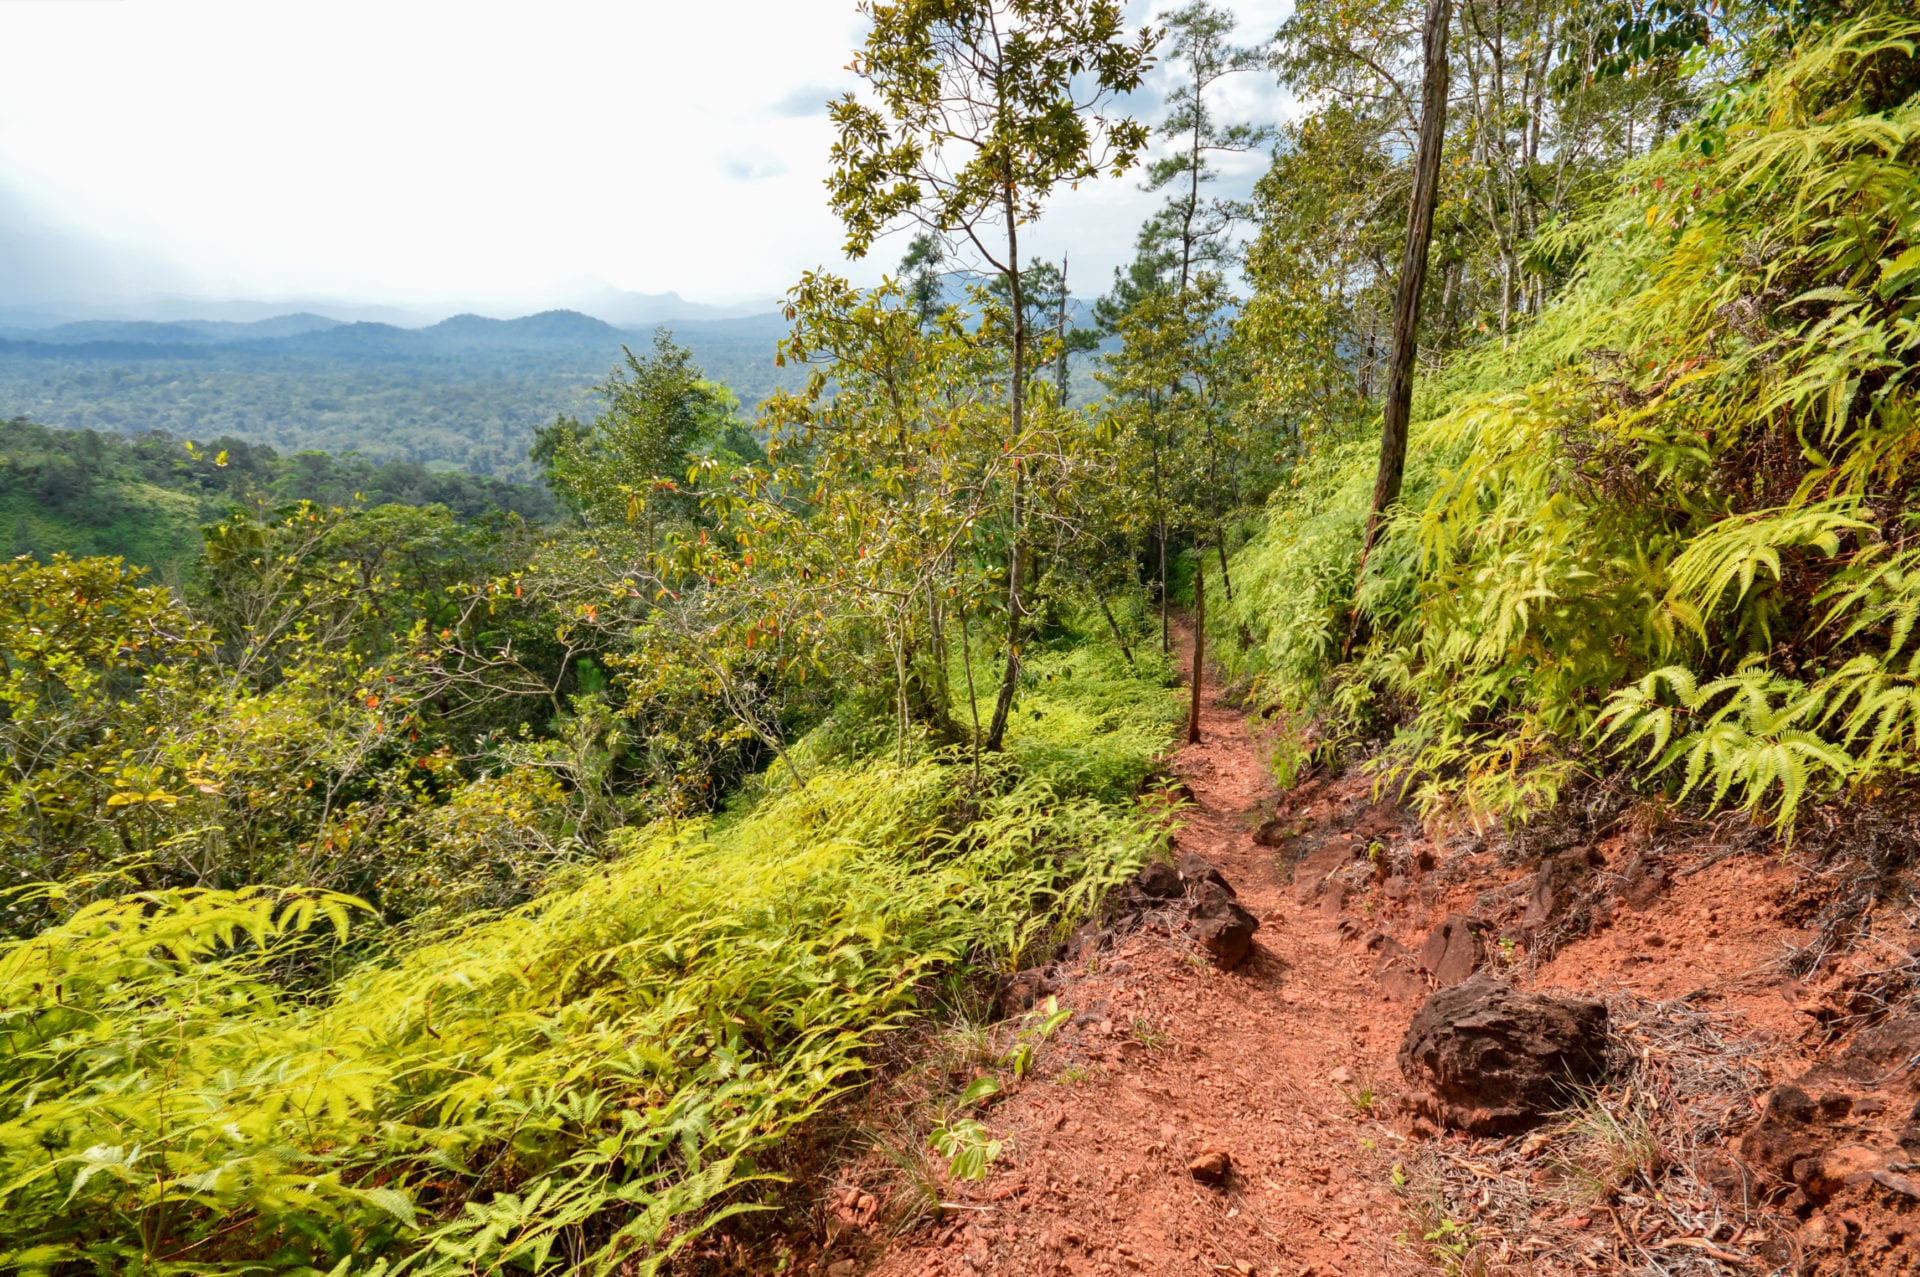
pixel 1311 873
pixel 1392 953
pixel 1486 1058
pixel 1088 940
pixel 1022 991
pixel 1851 1165
pixel 1377 821
pixel 1222 925
pixel 1453 951
pixel 1402 985
pixel 1275 832
pixel 1643 879
pixel 1211 1166
pixel 1557 881
pixel 1196 870
pixel 1397 970
pixel 1831 1145
pixel 1159 881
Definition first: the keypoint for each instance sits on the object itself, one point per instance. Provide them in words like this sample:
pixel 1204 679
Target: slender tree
pixel 1413 272
pixel 981 108
pixel 1195 229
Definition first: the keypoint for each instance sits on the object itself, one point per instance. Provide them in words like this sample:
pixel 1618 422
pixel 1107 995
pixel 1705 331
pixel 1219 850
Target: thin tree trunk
pixel 1016 395
pixel 1199 648
pixel 1413 275
pixel 1220 544
pixel 973 700
pixel 1061 372
pixel 1114 627
pixel 1166 640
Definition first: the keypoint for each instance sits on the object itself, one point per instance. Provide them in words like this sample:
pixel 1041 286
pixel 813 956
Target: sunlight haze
pixel 438 157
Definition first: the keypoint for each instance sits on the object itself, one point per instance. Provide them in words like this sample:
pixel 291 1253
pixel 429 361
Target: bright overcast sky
pixel 432 156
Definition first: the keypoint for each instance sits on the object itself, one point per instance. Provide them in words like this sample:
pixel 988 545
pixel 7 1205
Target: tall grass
pixel 583 1084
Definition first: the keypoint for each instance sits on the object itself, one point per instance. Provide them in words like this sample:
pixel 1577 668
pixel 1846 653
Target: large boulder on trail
pixel 1489 1059
pixel 1222 925
pixel 1215 918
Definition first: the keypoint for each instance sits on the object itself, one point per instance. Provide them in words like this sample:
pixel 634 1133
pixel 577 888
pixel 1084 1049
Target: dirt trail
pixel 1691 931
pixel 1167 1057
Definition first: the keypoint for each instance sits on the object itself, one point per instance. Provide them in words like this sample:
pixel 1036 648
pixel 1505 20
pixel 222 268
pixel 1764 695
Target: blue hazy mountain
pixel 464 393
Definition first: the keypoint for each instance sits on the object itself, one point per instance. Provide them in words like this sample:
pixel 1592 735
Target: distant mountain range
pixel 308 333
pixel 465 393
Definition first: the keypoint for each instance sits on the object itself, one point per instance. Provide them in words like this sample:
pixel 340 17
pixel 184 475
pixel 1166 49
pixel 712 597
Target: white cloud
pixel 437 153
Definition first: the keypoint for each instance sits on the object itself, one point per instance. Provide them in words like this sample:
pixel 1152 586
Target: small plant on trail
pixel 1450 1242
pixel 1364 1098
pixel 1147 1035
pixel 963 1139
pixel 1019 1058
pixel 968 1148
pixel 1616 1150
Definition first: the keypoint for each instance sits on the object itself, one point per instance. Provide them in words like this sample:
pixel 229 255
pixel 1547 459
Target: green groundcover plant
pixel 1674 521
pixel 586 1082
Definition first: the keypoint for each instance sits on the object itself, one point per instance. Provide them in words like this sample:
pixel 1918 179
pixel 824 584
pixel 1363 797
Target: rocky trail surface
pixel 1174 1072
pixel 1215 1107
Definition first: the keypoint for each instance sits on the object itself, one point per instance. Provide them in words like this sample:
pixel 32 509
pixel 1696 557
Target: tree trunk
pixel 1061 372
pixel 1166 639
pixel 1114 627
pixel 1199 648
pixel 973 700
pixel 1413 274
pixel 1220 544
pixel 1016 394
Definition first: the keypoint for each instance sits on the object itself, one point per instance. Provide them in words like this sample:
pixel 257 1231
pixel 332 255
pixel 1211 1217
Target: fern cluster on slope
pixel 586 1081
pixel 1678 513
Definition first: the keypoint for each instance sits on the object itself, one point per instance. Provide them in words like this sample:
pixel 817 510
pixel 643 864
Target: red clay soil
pixel 1287 1065
pixel 1169 1058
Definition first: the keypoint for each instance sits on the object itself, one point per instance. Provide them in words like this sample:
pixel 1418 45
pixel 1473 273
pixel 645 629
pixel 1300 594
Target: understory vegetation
pixel 433 876
pixel 593 1077
pixel 1670 523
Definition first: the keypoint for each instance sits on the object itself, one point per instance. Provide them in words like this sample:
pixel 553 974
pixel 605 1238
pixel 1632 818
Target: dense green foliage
pixel 589 1079
pixel 1674 516
pixel 144 498
pixel 399 890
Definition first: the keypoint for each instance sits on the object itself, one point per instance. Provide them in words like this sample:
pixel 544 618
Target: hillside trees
pixel 1410 285
pixel 1175 384
pixel 627 467
pixel 1539 112
pixel 1670 514
pixel 983 108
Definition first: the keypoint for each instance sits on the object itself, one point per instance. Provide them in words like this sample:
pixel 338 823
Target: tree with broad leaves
pixel 979 110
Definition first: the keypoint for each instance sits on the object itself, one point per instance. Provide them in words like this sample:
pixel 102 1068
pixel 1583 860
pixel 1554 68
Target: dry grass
pixel 1616 1184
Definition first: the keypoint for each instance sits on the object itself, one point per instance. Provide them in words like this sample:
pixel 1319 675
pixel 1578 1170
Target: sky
pixel 438 157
